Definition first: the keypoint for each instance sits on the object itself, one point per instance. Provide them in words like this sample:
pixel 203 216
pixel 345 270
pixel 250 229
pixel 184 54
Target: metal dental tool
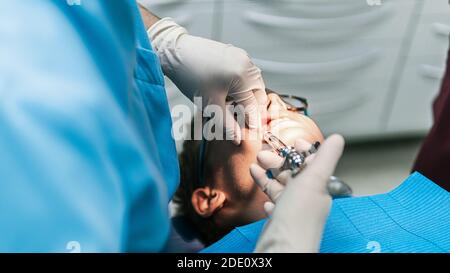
pixel 296 162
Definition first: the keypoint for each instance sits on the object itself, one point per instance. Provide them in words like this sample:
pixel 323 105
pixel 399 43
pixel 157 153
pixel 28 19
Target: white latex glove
pixel 302 206
pixel 212 70
pixel 270 160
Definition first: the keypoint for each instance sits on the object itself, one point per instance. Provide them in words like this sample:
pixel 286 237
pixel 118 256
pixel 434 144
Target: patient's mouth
pixel 265 119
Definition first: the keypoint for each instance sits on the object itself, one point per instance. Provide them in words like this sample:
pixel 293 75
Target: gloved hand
pixel 212 70
pixel 302 206
pixel 268 160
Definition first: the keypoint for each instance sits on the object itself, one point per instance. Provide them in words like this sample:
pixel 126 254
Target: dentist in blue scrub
pixel 87 161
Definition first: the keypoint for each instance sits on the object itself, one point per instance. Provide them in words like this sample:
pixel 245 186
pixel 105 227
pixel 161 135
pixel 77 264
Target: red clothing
pixel 433 160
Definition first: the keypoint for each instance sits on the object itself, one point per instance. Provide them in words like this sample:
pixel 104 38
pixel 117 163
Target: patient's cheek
pixel 251 142
pixel 237 156
pixel 244 155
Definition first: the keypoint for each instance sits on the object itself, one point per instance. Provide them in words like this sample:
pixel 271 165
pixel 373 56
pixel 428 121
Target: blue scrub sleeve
pixel 76 170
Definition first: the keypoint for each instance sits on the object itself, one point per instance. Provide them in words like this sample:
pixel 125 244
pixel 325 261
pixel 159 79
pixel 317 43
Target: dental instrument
pixel 296 161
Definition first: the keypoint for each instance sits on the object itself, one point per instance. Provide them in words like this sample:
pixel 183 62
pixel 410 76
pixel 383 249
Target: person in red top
pixel 433 159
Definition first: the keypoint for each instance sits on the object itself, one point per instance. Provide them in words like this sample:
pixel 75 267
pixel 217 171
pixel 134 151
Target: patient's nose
pixel 276 108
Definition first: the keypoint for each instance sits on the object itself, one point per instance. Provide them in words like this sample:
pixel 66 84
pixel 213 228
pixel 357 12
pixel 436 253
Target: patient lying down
pixel 411 218
pixel 228 197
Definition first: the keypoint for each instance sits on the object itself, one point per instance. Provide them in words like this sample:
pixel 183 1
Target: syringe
pixel 296 161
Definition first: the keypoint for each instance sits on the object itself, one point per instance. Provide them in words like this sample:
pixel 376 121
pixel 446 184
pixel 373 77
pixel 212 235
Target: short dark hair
pixel 208 231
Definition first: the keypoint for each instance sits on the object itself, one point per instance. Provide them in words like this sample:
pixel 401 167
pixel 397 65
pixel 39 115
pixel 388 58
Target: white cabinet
pixel 341 55
pixel 424 65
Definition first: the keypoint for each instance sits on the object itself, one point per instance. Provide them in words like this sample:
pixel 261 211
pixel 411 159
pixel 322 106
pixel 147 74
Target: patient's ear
pixel 206 201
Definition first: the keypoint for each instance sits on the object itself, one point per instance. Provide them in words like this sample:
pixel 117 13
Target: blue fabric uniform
pixel 86 153
pixel 415 217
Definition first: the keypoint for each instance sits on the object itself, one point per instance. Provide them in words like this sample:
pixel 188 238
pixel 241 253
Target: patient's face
pixel 230 164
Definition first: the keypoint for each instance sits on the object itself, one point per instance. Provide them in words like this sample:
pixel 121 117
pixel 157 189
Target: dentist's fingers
pixel 302 145
pixel 231 127
pixel 218 108
pixel 251 110
pixel 261 98
pixel 249 91
pixel 269 207
pixel 269 160
pixel 309 159
pixel 298 221
pixel 316 175
pixel 269 186
pixel 284 177
pixel 253 107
